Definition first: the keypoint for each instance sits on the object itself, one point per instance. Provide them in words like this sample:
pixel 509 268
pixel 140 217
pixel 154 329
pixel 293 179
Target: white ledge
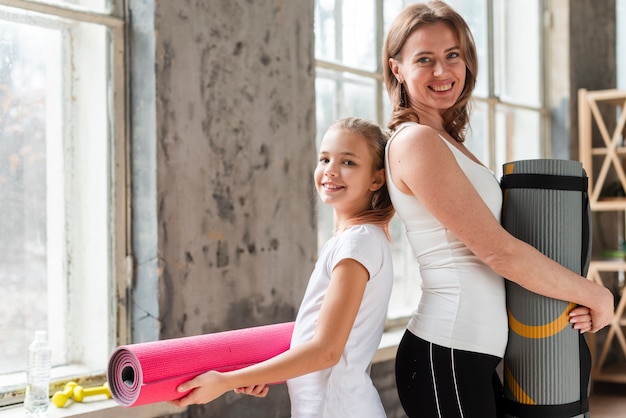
pixel 108 408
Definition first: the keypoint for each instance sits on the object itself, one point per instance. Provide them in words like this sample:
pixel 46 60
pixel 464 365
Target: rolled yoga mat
pixel 547 363
pixel 150 372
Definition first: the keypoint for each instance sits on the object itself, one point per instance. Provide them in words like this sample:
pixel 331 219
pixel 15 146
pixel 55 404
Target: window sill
pixel 96 409
pixel 108 408
pixel 388 345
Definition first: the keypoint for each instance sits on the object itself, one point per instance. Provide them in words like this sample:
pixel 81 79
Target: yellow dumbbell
pixel 61 397
pixel 80 392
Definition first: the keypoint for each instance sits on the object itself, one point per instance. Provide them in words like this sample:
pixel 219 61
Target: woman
pixel 450 204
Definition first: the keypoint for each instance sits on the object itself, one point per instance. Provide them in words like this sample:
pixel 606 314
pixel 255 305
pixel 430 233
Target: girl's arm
pixel 337 315
pixel 424 166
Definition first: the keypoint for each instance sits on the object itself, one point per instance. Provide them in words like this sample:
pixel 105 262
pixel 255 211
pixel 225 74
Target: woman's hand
pixel 580 318
pixel 260 391
pixel 603 314
pixel 203 389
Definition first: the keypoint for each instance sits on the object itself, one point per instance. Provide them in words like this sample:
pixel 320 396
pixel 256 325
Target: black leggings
pixel 439 382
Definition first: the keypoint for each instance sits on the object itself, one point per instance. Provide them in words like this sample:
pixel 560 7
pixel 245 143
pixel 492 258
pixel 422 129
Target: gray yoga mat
pixel 547 362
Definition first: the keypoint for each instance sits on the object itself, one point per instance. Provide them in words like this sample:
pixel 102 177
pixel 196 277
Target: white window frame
pixel 73 291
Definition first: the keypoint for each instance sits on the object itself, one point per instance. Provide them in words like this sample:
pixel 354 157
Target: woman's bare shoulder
pixel 416 136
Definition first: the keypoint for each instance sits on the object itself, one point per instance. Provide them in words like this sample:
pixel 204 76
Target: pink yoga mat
pixel 145 373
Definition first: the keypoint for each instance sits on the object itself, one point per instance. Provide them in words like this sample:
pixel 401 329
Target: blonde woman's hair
pixel 381 209
pixel 412 17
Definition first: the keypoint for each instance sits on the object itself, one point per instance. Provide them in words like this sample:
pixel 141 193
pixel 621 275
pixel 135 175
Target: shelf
pixel 602 372
pixel 611 96
pixel 609 204
pixel 608 264
pixel 602 205
pixel 609 157
pixel 603 151
pixel 602 163
pixel 615 373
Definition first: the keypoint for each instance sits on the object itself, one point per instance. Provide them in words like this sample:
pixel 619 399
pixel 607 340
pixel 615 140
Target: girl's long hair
pixel 412 17
pixel 381 209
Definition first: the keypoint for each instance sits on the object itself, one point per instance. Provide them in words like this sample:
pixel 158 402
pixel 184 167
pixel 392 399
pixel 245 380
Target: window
pixel 348 42
pixel 507 121
pixel 62 182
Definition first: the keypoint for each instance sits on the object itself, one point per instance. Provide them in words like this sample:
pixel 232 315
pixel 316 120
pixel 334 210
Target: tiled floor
pixel 608 401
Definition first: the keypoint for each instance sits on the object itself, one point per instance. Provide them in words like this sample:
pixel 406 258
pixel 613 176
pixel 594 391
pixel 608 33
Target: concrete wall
pixel 223 150
pixel 580 52
pixel 592 65
pixel 592 54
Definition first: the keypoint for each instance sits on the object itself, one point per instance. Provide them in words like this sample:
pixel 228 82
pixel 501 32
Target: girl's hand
pixel 260 391
pixel 580 318
pixel 204 388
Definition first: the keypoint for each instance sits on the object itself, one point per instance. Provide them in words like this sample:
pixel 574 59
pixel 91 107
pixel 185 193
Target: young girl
pixel 340 321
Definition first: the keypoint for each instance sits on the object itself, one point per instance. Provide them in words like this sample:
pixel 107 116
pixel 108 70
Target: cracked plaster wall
pixel 223 144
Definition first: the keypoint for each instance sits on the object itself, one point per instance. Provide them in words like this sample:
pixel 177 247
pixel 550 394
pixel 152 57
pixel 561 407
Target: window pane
pixel 475 14
pixel 326 102
pixel 29 61
pixel 517 31
pixel 359 35
pixel 343 94
pixel 518 135
pixel 345 32
pixel 406 289
pixel 391 9
pixel 55 247
pixel 360 97
pixel 477 139
pixel 325 30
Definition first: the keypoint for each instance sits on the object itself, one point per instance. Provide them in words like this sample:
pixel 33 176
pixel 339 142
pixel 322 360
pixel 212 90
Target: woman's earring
pixel 402 96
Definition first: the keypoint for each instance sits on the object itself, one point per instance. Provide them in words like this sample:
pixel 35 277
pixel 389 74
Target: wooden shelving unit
pixel 614 372
pixel 599 162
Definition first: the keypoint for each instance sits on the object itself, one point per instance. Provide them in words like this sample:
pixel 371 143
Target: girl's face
pixel 431 67
pixel 344 176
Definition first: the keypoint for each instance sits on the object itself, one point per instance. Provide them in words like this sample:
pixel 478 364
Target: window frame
pixel 12 385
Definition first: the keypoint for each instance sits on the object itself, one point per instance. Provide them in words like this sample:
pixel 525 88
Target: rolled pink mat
pixel 144 373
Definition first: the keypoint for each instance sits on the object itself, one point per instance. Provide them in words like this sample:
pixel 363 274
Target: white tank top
pixel 463 304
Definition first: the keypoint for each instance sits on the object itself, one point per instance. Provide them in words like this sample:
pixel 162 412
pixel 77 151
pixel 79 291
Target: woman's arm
pixel 423 165
pixel 337 315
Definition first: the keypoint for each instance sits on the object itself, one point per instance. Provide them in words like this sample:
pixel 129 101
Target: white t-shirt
pixel 463 302
pixel 345 390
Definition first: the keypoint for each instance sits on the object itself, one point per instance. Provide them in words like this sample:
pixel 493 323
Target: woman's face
pixel 431 67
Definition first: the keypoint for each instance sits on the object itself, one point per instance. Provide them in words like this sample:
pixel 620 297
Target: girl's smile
pixel 344 176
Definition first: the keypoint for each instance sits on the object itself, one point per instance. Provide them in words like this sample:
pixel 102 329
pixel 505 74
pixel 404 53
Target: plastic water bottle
pixel 37 398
